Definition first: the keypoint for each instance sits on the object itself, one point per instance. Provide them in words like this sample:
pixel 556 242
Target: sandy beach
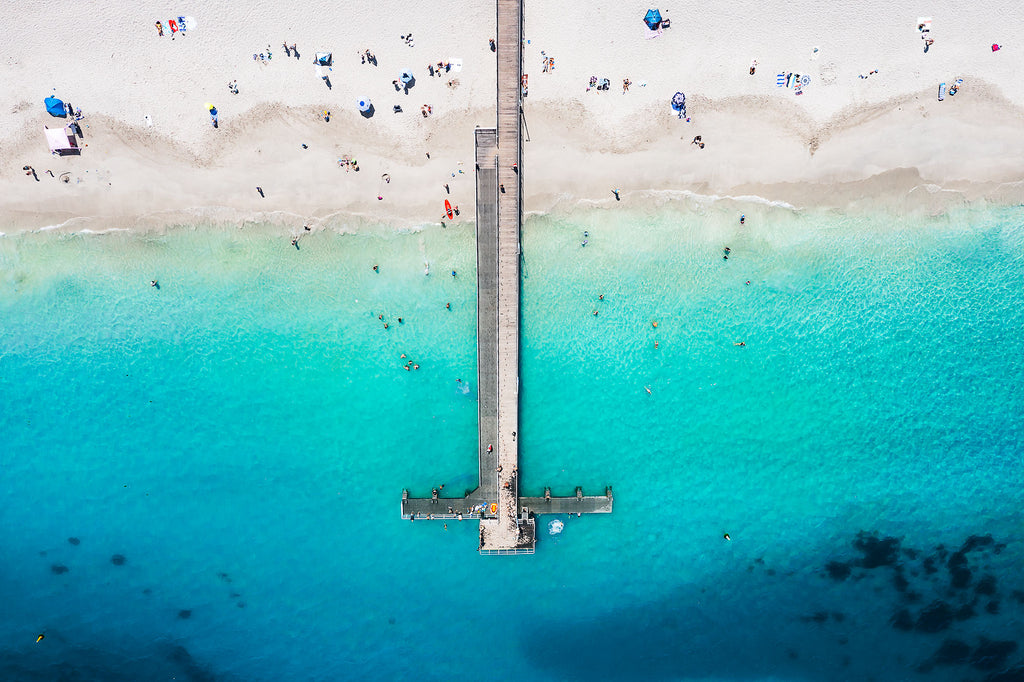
pixel 867 128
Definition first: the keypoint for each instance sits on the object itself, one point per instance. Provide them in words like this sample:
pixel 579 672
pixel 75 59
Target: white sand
pixel 841 141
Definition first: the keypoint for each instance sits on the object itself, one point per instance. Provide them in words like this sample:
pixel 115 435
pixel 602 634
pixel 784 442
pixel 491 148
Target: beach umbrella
pixel 364 104
pixel 406 75
pixel 652 19
pixel 55 107
pixel 679 101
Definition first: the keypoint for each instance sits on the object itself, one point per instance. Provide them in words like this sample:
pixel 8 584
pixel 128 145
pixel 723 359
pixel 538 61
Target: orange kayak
pixel 448 209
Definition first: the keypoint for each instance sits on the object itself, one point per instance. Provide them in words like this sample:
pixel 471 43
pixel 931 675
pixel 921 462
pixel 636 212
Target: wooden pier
pixel 506 520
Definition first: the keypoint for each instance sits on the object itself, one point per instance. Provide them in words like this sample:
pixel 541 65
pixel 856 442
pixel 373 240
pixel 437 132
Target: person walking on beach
pixel 160 29
pixel 260 190
pixel 287 52
pixel 616 193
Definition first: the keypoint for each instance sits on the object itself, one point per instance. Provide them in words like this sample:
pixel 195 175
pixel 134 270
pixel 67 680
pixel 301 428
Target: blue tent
pixel 55 107
pixel 653 19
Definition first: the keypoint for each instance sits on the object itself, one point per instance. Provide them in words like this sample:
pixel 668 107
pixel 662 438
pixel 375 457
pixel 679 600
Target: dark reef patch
pixel 185 614
pixel 876 552
pixel 59 569
pixel 965 612
pixel 952 652
pixel 902 620
pixel 992 607
pixel 935 617
pixel 987 585
pixel 74 541
pixel 976 542
pixel 959 573
pixel 838 570
pixel 992 655
pixel 118 560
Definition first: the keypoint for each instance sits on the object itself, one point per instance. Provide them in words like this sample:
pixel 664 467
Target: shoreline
pixel 848 143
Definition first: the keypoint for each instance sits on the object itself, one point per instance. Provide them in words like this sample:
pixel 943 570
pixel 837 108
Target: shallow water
pixel 242 434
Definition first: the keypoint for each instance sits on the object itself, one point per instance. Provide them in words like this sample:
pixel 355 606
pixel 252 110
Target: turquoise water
pixel 242 434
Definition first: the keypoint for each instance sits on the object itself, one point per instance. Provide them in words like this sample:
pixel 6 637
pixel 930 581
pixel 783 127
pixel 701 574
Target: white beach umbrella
pixel 364 104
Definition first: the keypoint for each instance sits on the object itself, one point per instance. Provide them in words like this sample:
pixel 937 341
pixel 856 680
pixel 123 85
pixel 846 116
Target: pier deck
pixel 506 520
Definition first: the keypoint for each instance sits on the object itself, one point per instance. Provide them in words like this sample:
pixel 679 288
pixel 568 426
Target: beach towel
pixel 780 80
pixel 456 64
pixel 182 25
pixel 648 33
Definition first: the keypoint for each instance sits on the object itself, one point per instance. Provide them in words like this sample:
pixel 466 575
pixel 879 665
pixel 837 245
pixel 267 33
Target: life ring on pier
pixel 494 507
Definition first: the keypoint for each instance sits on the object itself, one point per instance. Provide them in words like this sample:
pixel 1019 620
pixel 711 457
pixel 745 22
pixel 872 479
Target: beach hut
pixel 324 59
pixel 62 140
pixel 55 107
pixel 653 19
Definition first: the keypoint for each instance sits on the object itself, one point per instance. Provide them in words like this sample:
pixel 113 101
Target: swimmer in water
pixel 448 306
pixel 648 389
pixel 739 343
pixel 743 218
pixel 40 638
pixel 726 536
pixel 601 297
pixel 595 313
pixel 154 283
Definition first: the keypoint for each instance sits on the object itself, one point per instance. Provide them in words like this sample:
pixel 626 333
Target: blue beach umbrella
pixel 652 19
pixel 406 75
pixel 55 107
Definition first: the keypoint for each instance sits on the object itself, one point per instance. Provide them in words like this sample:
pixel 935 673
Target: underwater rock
pixel 902 620
pixel 952 652
pixel 838 570
pixel 987 585
pixel 185 614
pixel 910 553
pixel 884 552
pixel 838 617
pixel 1018 596
pixel 900 582
pixel 935 617
pixel 929 565
pixel 1014 675
pixel 118 560
pixel 992 655
pixel 59 569
pixel 74 541
pixel 992 607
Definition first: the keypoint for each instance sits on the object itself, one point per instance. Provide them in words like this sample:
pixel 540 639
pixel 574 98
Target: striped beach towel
pixel 780 80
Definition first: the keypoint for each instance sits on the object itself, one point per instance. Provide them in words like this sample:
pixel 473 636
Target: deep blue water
pixel 241 436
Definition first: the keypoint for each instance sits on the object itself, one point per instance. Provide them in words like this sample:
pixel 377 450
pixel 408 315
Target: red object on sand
pixel 448 209
pixel 995 48
pixel 173 25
